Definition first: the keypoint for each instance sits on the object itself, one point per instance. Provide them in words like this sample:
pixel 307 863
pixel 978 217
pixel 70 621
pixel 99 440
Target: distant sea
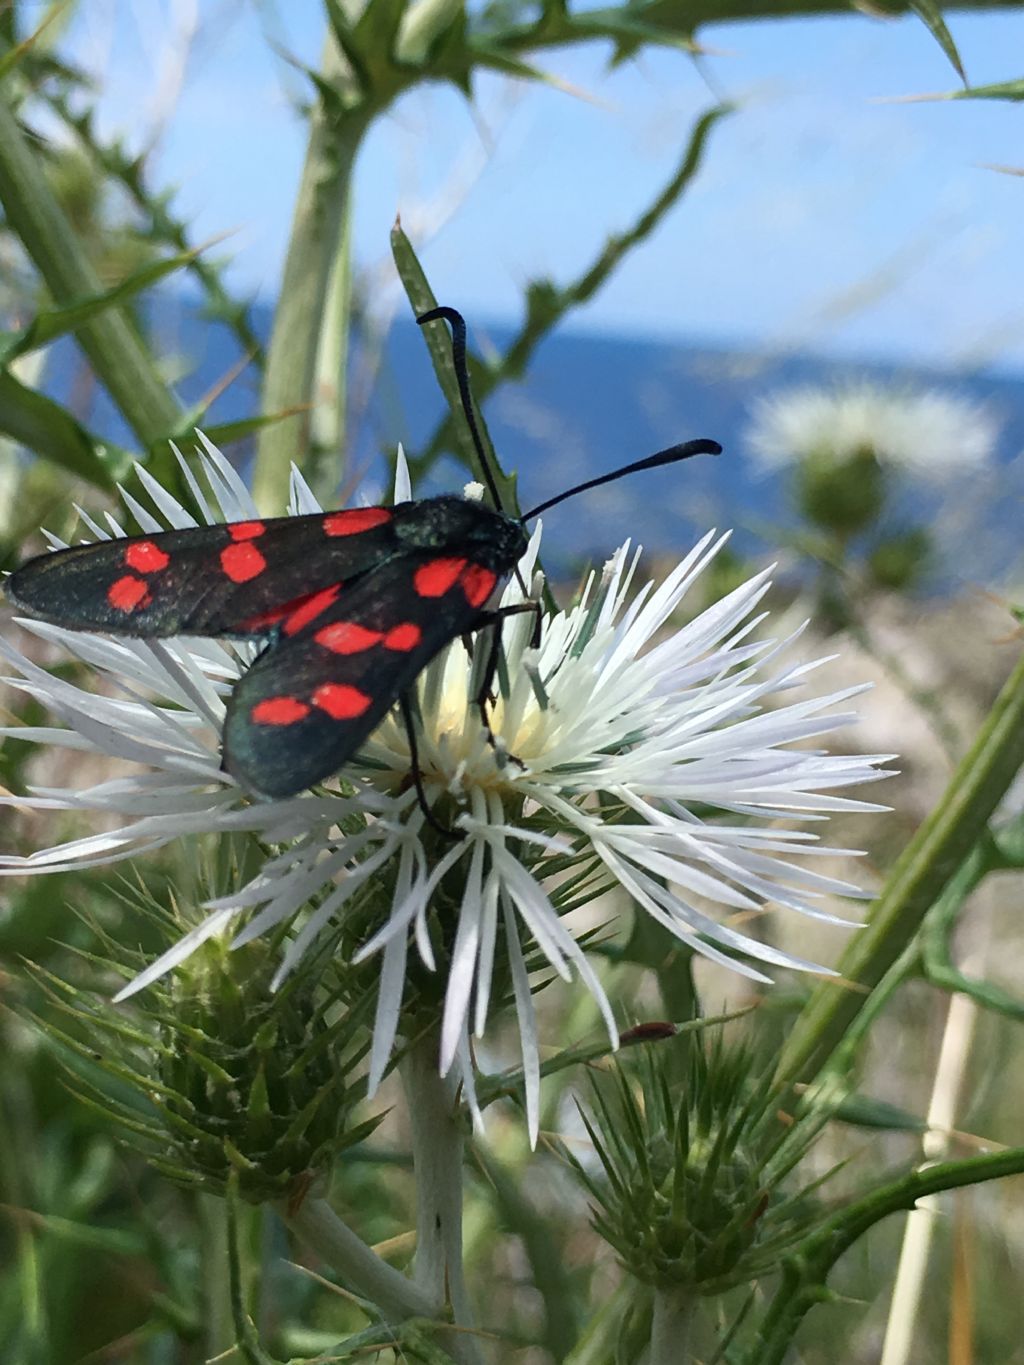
pixel 591 402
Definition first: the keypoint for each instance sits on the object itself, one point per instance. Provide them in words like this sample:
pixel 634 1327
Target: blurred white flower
pixel 926 432
pixel 629 752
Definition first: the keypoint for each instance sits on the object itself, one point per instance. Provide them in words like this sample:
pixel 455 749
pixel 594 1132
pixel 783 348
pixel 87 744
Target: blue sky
pixel 823 219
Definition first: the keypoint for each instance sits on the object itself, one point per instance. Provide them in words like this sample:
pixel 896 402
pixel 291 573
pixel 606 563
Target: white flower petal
pixel 389 1005
pixel 146 520
pixel 197 493
pixel 694 737
pixel 463 961
pixel 302 501
pixel 403 483
pixel 485 956
pixel 186 945
pixel 928 432
pixel 229 488
pixel 527 1021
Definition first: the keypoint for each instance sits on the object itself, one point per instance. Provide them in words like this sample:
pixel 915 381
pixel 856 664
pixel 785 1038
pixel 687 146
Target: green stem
pixel 329 415
pixel 998 851
pixel 316 238
pixel 671 1327
pixel 550 1269
pixel 218 1317
pixel 437 1149
pixel 561 25
pixel 316 1224
pixel 246 1338
pixel 111 340
pixel 803 1279
pixel 21 1189
pixel 922 872
pixel 834 1078
pixel 603 1325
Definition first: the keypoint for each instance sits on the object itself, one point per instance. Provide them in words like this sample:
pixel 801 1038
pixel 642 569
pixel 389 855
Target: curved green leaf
pixel 52 323
pixel 1006 90
pixel 421 298
pixel 45 427
pixel 930 14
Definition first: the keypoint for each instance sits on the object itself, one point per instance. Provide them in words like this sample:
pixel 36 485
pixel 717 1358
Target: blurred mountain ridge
pixel 591 402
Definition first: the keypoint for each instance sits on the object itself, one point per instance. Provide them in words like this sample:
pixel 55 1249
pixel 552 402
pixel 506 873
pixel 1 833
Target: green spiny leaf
pixel 224 433
pixel 1004 90
pixel 116 1240
pixel 49 430
pixel 15 55
pixel 52 323
pixel 930 14
pixel 422 300
pixel 864 1112
pixel 423 26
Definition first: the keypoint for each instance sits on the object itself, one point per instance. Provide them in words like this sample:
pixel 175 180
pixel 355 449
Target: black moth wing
pixel 238 579
pixel 307 704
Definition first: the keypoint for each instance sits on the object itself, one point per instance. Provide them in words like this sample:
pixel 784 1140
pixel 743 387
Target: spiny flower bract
pixel 692 1154
pixel 629 751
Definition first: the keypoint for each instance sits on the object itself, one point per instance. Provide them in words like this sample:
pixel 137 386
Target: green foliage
pixel 843 498
pixel 931 14
pixel 1001 90
pixel 436 334
pixel 159 225
pixel 940 846
pixel 217 1073
pixel 32 419
pixel 51 323
pixel 690 1192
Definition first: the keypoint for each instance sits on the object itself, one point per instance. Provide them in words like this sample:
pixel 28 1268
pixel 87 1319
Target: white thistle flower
pixel 926 433
pixel 666 725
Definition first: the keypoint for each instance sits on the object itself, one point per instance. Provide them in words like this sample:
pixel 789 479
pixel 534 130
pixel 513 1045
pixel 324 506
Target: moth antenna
pixel 671 455
pixel 458 326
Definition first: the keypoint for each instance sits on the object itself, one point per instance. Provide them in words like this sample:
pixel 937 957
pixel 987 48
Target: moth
pixel 351 606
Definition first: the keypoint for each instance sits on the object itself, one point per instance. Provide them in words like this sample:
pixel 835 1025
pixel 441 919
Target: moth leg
pixel 485 697
pixel 417 776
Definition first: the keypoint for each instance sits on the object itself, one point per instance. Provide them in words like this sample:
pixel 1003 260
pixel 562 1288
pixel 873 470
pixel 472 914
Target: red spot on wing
pixel 356 519
pixel 279 711
pixel 128 593
pixel 265 619
pixel 241 562
pixel 307 609
pixel 340 701
pixel 299 611
pixel 478 584
pixel 346 637
pixel 437 577
pixel 404 637
pixel 246 530
pixel 145 557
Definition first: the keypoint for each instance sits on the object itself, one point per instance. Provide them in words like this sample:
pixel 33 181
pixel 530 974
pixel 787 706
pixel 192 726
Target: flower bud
pixel 249 1084
pixel 688 1193
pixel 842 496
pixel 229 1074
